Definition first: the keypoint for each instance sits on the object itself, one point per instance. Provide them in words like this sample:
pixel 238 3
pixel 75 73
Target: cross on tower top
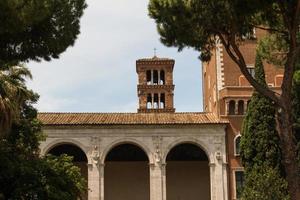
pixel 155 52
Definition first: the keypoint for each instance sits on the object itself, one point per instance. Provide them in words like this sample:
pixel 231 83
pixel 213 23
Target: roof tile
pixel 127 118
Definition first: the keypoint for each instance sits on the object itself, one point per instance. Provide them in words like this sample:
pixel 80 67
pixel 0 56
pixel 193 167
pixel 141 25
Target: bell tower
pixel 155 85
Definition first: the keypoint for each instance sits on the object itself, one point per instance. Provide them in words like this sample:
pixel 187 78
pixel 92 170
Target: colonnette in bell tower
pixel 155 85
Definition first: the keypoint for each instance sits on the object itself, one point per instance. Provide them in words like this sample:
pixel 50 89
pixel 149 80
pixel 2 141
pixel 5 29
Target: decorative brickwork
pixel 155 85
pixel 233 93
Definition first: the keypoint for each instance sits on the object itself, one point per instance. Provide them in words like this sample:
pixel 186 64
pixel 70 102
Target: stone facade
pixel 155 140
pixel 156 129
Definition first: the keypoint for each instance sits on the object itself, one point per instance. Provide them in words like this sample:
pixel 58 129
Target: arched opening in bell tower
pixel 162 77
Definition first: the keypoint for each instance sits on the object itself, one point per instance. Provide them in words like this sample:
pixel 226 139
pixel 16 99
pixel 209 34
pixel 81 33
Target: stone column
pixel 164 181
pixel 101 181
pixel 152 77
pixel 245 107
pixel 158 73
pixel 226 107
pixel 219 185
pixel 93 182
pixel 157 183
pixel 236 111
pixel 152 100
pixel 159 100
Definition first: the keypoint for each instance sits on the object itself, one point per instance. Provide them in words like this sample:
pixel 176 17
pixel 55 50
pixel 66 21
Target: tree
pixel 31 30
pixel 260 147
pixel 200 24
pixel 24 174
pixel 13 92
pixel 264 183
pixel 37 29
pixel 296 107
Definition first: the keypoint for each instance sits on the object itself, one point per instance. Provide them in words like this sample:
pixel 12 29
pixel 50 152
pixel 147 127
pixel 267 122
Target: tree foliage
pixel 31 30
pixel 37 29
pixel 260 141
pixel 13 92
pixel 263 182
pixel 197 23
pixel 203 24
pixel 24 175
pixel 296 108
pixel 260 148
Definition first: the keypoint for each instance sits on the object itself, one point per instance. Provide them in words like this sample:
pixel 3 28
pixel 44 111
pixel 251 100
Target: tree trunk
pixel 289 151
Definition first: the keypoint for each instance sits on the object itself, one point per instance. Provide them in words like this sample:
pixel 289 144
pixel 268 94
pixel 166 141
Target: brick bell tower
pixel 155 85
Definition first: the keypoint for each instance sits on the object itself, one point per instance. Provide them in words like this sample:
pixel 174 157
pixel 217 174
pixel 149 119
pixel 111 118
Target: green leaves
pixel 260 148
pixel 196 23
pixel 25 175
pixel 37 29
pixel 264 183
pixel 13 93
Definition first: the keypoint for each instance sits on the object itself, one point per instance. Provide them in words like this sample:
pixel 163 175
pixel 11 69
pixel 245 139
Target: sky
pixel 98 74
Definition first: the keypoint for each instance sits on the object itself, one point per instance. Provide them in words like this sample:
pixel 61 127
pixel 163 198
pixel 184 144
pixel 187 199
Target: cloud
pixel 98 73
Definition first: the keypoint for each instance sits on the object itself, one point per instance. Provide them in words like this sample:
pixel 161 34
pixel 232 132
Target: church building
pixel 157 153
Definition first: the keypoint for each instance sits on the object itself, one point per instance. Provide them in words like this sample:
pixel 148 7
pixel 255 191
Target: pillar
pixel 245 107
pixel 157 182
pixel 93 181
pixel 101 171
pixel 158 73
pixel 218 181
pixel 226 107
pixel 152 100
pixel 152 77
pixel 158 100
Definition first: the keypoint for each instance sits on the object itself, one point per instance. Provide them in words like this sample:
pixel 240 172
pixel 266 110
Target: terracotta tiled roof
pixel 155 58
pixel 127 118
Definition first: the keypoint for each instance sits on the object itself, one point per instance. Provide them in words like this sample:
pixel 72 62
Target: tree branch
pixel 296 16
pixel 270 29
pixel 284 16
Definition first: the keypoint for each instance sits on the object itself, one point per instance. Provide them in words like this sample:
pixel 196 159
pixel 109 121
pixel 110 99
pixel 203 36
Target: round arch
pixel 58 142
pixel 236 144
pixel 126 141
pixel 193 141
pixel 70 149
pixel 74 149
pixel 126 161
pixel 187 171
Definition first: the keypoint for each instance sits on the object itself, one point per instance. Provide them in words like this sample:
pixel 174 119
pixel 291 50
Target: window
pixel 240 107
pixel 155 101
pixel 251 35
pixel 162 77
pixel 278 80
pixel 237 141
pixel 251 70
pixel 162 100
pixel 155 77
pixel 148 75
pixel 149 101
pixel 231 107
pixel 239 183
